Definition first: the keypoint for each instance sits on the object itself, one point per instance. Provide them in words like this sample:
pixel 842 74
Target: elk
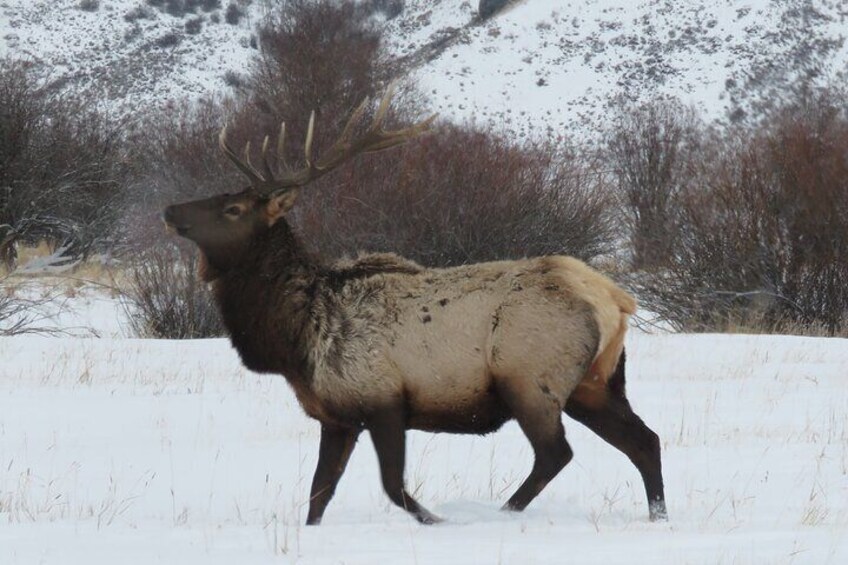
pixel 382 344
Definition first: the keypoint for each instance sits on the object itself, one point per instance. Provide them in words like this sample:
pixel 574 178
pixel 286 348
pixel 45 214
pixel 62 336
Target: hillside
pixel 552 66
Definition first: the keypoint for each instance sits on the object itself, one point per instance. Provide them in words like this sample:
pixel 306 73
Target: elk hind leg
pixel 615 422
pixel 539 414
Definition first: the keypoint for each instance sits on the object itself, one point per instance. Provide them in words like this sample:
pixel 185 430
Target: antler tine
pixel 397 137
pixel 354 119
pixel 307 149
pixel 383 108
pixel 250 165
pixel 281 148
pixel 266 166
pixel 255 179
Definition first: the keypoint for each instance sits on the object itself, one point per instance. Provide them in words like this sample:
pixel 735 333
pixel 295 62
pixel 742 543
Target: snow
pixel 141 451
pixel 556 67
pixel 542 67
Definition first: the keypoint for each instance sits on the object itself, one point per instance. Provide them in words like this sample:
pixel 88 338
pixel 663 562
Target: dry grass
pixel 93 271
pixel 753 321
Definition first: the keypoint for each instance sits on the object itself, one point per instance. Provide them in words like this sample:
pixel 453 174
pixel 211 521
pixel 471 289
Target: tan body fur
pixel 444 339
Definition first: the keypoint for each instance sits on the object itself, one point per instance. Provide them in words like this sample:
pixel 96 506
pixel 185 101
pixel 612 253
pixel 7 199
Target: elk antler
pixel 375 139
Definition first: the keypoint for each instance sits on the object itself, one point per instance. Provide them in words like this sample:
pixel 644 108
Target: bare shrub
pixel 650 153
pixel 60 165
pixel 323 55
pixel 194 25
pixel 181 8
pixel 461 196
pixel 209 5
pixel 89 5
pixel 23 310
pixel 234 14
pixel 164 297
pixel 170 39
pixel 138 13
pixel 763 237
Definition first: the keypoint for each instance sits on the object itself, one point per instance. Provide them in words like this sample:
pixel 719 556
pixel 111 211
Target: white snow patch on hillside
pixel 555 66
pixel 127 63
pixel 542 67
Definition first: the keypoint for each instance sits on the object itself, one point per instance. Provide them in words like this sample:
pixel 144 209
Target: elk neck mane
pixel 266 303
pixel 281 300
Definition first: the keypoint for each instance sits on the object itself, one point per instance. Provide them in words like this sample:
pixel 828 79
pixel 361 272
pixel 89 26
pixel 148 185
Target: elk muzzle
pixel 175 222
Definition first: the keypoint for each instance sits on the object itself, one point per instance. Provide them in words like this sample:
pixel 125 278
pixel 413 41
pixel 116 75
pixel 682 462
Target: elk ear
pixel 279 205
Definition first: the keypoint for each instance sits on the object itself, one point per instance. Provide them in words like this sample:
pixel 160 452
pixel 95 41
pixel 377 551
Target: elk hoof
pixel 428 519
pixel 657 511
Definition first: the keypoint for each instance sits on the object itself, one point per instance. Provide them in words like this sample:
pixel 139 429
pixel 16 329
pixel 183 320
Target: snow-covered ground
pixel 142 451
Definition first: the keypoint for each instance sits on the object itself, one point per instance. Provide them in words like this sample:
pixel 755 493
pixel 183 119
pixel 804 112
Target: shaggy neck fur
pixel 266 303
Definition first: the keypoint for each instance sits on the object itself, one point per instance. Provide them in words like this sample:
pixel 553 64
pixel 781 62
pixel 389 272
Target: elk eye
pixel 233 211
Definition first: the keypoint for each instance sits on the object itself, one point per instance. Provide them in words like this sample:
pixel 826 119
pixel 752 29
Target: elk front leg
pixel 388 432
pixel 336 446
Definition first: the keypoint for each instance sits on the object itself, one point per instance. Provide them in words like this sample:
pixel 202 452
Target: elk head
pixel 224 226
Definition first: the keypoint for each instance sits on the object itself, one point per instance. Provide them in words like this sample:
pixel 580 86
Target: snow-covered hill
pixel 562 62
pixel 128 52
pixel 547 65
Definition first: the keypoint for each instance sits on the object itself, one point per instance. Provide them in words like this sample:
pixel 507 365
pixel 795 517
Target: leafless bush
pixel 60 165
pixel 763 236
pixel 23 311
pixel 181 8
pixel 459 196
pixel 138 13
pixel 89 5
pixel 650 151
pixel 194 25
pixel 488 8
pixel 323 55
pixel 165 298
pixel 234 14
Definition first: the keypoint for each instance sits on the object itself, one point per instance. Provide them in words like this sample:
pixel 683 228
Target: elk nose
pixel 169 216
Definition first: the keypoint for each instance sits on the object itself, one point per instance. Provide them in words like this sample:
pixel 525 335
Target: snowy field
pixel 118 450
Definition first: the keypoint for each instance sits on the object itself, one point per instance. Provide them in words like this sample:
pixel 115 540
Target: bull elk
pixel 380 343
